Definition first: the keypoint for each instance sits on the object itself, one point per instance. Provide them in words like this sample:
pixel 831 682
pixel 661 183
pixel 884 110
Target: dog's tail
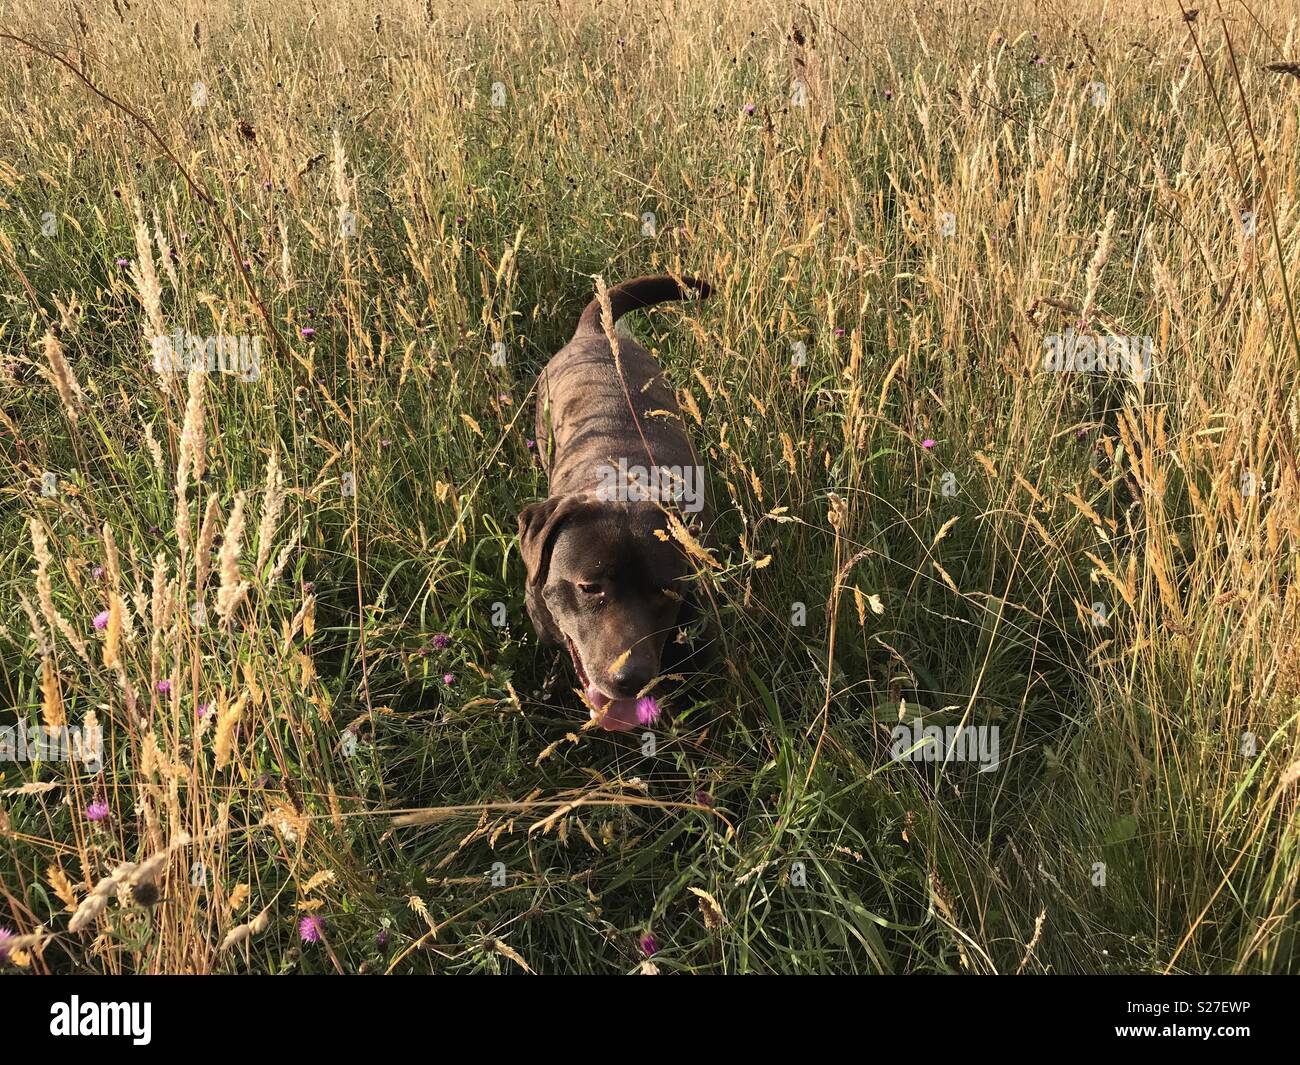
pixel 637 293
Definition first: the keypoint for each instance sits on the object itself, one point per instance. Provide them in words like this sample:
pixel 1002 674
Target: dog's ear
pixel 538 524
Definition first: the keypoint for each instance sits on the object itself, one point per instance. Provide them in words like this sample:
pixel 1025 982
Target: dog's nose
pixel 629 679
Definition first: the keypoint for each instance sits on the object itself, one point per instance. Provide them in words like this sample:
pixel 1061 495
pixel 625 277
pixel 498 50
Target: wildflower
pixel 889 94
pixel 381 940
pixel 202 710
pixel 97 810
pixel 441 640
pixel 839 331
pixel 307 332
pixel 101 619
pixel 449 679
pixel 5 933
pixel 530 444
pixel 310 928
pixel 749 109
pixel 648 944
pixel 123 262
pixel 927 444
pixel 704 798
pixel 647 710
pixel 164 687
pixel 97 573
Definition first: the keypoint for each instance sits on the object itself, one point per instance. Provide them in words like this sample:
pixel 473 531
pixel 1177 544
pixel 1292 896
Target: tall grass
pixel 321 697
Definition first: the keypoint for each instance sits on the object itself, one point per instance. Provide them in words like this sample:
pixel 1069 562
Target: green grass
pixel 772 790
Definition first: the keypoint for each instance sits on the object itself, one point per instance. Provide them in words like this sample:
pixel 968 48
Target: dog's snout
pixel 629 678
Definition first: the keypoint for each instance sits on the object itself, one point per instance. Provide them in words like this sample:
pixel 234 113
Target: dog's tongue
pixel 614 715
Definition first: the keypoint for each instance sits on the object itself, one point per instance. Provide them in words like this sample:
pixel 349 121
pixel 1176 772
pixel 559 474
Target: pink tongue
pixel 614 715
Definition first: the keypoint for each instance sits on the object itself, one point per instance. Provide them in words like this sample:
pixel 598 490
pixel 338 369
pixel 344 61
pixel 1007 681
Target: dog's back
pixel 594 410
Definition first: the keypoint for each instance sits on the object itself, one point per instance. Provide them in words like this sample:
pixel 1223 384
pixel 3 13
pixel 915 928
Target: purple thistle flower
pixel 97 811
pixel 704 798
pixel 101 619
pixel 530 444
pixel 310 928
pixel 97 573
pixel 164 687
pixel 839 331
pixel 202 710
pixel 927 444
pixel 307 332
pixel 449 679
pixel 749 109
pixel 441 640
pixel 647 710
pixel 648 944
pixel 123 262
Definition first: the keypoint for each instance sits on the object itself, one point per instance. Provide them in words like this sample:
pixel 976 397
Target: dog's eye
pixel 588 589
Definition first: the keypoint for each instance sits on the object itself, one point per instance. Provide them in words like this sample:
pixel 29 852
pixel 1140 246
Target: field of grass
pixel 292 599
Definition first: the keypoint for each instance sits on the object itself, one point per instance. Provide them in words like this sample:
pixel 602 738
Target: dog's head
pixel 608 581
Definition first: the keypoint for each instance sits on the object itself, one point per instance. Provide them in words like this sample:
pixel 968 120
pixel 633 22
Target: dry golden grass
pixel 1100 565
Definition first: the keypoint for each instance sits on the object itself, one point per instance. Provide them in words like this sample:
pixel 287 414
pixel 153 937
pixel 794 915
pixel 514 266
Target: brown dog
pixel 604 576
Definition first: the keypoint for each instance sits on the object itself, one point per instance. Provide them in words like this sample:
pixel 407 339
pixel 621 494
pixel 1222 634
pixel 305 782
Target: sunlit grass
pixel 1099 566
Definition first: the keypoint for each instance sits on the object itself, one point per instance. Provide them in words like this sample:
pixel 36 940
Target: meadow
pixel 997 397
